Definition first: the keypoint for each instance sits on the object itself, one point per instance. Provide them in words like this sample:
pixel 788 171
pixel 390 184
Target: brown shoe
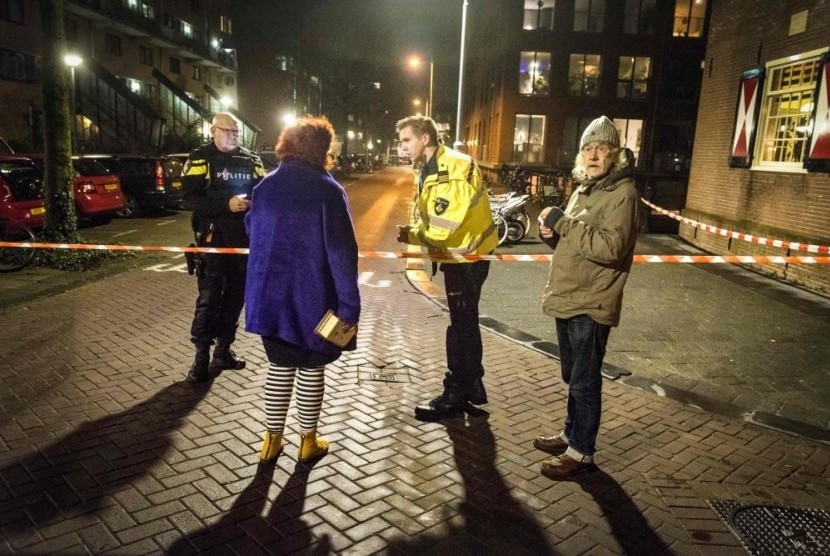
pixel 550 444
pixel 564 466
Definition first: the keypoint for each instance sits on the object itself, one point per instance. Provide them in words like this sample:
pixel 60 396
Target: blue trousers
pixel 582 343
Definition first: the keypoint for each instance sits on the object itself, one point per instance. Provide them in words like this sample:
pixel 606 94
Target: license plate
pixel 37 211
pixel 177 185
pixel 111 186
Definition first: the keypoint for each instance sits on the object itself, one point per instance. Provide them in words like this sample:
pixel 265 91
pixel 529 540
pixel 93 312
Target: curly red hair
pixel 308 141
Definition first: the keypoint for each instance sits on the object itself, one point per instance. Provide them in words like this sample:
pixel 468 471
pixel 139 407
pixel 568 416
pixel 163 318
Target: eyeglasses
pixel 234 132
pixel 600 148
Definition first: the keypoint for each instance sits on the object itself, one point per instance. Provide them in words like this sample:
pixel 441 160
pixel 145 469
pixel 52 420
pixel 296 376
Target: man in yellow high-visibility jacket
pixel 455 218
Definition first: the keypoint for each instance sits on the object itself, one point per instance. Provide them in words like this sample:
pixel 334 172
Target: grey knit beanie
pixel 601 129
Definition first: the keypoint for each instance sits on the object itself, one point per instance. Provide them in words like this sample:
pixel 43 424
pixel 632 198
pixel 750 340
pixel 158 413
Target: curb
pixel 418 277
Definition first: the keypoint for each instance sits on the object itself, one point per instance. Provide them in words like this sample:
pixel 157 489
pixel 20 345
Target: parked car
pixel 21 191
pixel 98 194
pixel 150 183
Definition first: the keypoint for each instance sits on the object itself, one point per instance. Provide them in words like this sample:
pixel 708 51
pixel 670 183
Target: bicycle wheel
pixel 501 227
pixel 15 258
pixel 515 230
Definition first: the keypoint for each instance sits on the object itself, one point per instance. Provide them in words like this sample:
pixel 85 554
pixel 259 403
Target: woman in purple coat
pixel 302 263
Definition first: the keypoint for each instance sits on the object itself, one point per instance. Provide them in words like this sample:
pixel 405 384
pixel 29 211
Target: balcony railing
pixel 117 11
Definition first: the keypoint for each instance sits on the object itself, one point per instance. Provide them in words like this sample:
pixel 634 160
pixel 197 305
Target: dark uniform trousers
pixel 463 283
pixel 221 282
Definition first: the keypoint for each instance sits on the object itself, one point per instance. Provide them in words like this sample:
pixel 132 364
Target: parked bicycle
pixel 15 258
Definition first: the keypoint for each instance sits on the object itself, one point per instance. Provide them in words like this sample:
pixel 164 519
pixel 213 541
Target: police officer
pixel 455 218
pixel 218 179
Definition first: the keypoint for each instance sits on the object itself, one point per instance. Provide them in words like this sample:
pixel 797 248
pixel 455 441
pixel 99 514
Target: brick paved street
pixel 105 449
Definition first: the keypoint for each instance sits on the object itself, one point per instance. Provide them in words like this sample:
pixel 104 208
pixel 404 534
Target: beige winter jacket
pixel 595 250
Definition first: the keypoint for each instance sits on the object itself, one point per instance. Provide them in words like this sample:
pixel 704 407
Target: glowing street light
pixel 288 119
pixel 415 63
pixel 225 101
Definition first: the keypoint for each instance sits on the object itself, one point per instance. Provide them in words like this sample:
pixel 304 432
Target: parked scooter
pixel 510 216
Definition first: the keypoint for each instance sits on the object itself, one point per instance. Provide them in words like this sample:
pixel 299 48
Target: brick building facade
pixel 748 170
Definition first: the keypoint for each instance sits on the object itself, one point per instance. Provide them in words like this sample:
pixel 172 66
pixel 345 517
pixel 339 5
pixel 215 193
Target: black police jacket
pixel 210 178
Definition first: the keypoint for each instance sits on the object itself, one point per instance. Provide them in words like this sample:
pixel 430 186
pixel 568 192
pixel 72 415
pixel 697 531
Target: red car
pixel 98 194
pixel 21 191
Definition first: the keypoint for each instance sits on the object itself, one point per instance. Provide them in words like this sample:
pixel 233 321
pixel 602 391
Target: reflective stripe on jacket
pixel 454 209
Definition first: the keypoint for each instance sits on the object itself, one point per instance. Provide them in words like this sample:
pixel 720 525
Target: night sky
pixel 383 33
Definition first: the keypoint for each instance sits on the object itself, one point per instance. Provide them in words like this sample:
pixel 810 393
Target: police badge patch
pixel 441 205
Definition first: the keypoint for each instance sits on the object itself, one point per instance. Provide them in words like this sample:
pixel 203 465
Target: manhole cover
pixel 764 529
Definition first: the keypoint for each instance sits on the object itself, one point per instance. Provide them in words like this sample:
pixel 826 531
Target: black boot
pixel 199 371
pixel 476 394
pixel 224 358
pixel 448 404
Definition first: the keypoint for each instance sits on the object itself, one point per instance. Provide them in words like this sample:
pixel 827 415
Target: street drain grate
pixel 395 374
pixel 383 377
pixel 764 529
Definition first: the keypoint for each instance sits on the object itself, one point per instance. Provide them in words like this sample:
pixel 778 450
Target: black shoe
pixel 448 404
pixel 476 394
pixel 226 360
pixel 199 371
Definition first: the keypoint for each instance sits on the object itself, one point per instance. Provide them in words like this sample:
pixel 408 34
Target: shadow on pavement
pixel 281 530
pixel 627 523
pixel 494 521
pixel 72 476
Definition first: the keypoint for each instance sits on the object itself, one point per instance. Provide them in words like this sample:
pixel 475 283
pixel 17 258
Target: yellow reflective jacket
pixel 454 209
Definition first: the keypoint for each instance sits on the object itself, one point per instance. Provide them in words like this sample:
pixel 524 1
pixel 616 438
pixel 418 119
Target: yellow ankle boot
pixel 312 447
pixel 271 446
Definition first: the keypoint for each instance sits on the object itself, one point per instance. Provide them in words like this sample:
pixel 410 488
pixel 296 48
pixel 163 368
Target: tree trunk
pixel 61 220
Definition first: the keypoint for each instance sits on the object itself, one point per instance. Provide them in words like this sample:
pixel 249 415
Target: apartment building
pixel 147 75
pixel 761 162
pixel 539 70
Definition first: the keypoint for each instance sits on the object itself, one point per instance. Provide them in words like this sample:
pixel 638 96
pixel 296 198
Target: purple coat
pixel 303 257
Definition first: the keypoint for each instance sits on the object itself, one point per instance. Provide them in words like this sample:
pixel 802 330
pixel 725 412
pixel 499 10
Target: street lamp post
pixel 73 61
pixel 458 144
pixel 415 62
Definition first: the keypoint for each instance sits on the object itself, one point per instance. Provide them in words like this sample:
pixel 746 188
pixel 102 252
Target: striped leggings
pixel 279 384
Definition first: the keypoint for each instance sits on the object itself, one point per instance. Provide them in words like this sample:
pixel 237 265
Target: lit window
pixel 197 73
pixel 148 11
pixel 583 74
pixel 285 63
pixel 640 17
pixel 631 134
pixel 632 77
pixel 225 25
pixel 534 73
pixel 538 14
pixel 688 18
pixel 529 139
pixel 187 29
pixel 785 120
pixel 589 15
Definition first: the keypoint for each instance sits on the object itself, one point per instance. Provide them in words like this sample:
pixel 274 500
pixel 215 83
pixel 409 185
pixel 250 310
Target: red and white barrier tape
pixel 808 247
pixel 682 259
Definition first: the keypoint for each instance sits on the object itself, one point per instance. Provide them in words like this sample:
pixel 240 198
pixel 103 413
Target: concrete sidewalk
pixel 103 447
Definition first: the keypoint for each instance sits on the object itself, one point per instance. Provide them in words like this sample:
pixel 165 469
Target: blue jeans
pixel 582 343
